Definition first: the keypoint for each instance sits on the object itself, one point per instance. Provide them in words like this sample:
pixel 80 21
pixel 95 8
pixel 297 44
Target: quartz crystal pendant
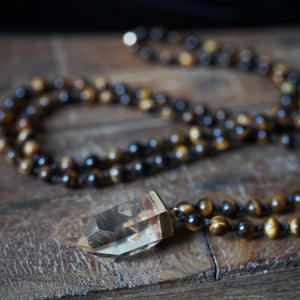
pixel 129 228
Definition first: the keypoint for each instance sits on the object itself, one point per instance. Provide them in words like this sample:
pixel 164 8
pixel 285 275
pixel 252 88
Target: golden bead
pixel 272 228
pixel 255 208
pixel 194 222
pixel 177 138
pixel 143 93
pixel 146 104
pixel 222 143
pixel 11 156
pixel 45 172
pixel 196 134
pixel 295 226
pixel 297 122
pixel 23 122
pixel 210 46
pixel 186 59
pixel 24 134
pixel 278 73
pixel 106 96
pixel 219 225
pixel 88 94
pixel 244 119
pixel 278 204
pixel 7 117
pixel 185 208
pixel 116 174
pixel 3 144
pixel 101 83
pixel 114 155
pixel 38 84
pixel 182 153
pixel 67 163
pixel 205 207
pixel 31 147
pixel 288 88
pixel 168 113
pixel 25 166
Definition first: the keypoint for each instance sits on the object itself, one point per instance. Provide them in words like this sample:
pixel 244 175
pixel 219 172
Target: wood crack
pixel 213 257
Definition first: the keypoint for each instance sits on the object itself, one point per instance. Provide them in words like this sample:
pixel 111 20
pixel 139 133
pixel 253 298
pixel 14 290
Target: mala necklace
pixel 140 224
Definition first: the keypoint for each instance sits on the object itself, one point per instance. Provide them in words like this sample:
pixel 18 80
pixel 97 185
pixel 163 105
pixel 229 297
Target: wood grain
pixel 40 223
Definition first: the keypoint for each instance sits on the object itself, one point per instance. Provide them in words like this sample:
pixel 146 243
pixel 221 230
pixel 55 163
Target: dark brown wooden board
pixel 40 224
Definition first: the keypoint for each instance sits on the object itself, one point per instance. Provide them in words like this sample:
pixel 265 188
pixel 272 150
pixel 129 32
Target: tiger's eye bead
pixel 205 207
pixel 25 166
pixel 278 204
pixel 3 144
pixel 182 153
pixel 46 101
pixel 186 59
pixel 185 208
pixel 39 84
pixel 143 93
pixel 24 122
pixel 31 147
pixel 272 228
pixel 45 173
pixel 165 57
pixel 101 83
pixel 146 104
pixel 222 143
pixel 168 113
pixel 60 83
pixel 11 156
pixel 210 46
pixel 194 222
pixel 279 72
pixel 7 117
pixel 254 208
pixel 263 137
pixel 244 119
pixel 219 225
pixel 67 163
pixel 262 122
pixel 245 228
pixel 70 178
pixel 297 122
pixel 296 199
pixel 188 116
pixel 95 178
pixel 88 94
pixel 116 174
pixel 106 96
pixel 229 207
pixel 177 138
pixel 114 155
pixel 196 134
pixel 295 226
pixel 288 88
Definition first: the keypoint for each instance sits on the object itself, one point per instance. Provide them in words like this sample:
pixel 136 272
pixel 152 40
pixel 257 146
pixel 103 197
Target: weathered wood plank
pixel 41 223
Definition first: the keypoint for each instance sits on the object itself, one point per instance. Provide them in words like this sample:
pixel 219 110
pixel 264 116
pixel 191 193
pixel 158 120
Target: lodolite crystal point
pixel 128 228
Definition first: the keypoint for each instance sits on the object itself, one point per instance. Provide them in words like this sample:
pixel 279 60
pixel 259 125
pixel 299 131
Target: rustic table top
pixel 40 223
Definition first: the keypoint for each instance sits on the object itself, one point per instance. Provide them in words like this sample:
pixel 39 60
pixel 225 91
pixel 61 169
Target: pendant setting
pixel 128 228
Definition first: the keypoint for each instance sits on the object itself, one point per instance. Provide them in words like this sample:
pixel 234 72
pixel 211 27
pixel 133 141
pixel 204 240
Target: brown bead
pixel 186 59
pixel 295 226
pixel 296 199
pixel 31 147
pixel 255 208
pixel 95 178
pixel 278 204
pixel 245 228
pixel 219 225
pixel 116 174
pixel 24 122
pixel 272 228
pixel 165 57
pixel 7 116
pixel 101 83
pixel 210 46
pixel 188 116
pixel 262 122
pixel 79 84
pixel 185 208
pixel 39 84
pixel 205 206
pixel 60 83
pixel 106 96
pixel 47 101
pixel 11 156
pixel 45 172
pixel 177 138
pixel 67 163
pixel 196 134
pixel 278 73
pixel 297 122
pixel 70 178
pixel 3 144
pixel 114 155
pixel 202 148
pixel 168 113
pixel 146 104
pixel 88 94
pixel 143 93
pixel 288 88
pixel 244 119
pixel 24 135
pixel 229 207
pixel 263 137
pixel 182 153
pixel 25 166
pixel 222 143
pixel 194 222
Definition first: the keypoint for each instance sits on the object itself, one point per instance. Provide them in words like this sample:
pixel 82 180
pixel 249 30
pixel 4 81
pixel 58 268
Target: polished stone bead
pixel 70 178
pixel 168 113
pixel 205 206
pixel 95 178
pixel 229 207
pixel 196 134
pixel 146 104
pixel 186 59
pixel 182 153
pixel 272 228
pixel 106 96
pixel 296 199
pixel 24 135
pixel 116 173
pixel 219 225
pixel 30 148
pixel 295 226
pixel 114 155
pixel 194 222
pixel 11 156
pixel 184 208
pixel 39 84
pixel 245 228
pixel 128 228
pixel 67 163
pixel 25 166
pixel 278 204
pixel 101 83
pixel 88 94
pixel 45 172
pixel 255 208
pixel 4 143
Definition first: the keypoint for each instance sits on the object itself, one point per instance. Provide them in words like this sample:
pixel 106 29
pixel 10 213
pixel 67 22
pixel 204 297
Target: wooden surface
pixel 40 223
